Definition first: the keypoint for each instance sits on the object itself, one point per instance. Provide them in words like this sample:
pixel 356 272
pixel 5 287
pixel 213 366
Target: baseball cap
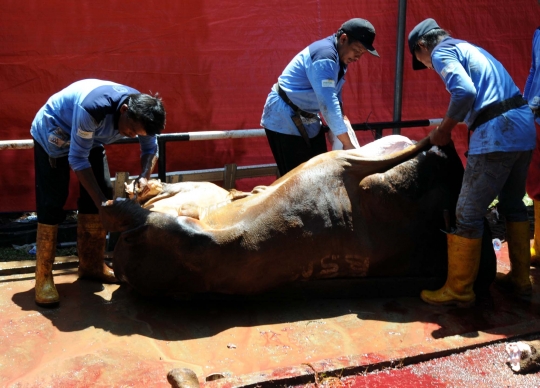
pixel 363 31
pixel 417 32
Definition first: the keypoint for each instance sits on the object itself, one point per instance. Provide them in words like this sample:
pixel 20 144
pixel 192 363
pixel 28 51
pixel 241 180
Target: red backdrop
pixel 213 62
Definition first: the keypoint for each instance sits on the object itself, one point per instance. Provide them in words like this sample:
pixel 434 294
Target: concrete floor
pixel 109 336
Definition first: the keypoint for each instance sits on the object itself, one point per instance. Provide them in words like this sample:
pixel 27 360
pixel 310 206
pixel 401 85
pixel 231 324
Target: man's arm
pixel 148 163
pixel 462 90
pixel 323 78
pixel 88 181
pixel 441 135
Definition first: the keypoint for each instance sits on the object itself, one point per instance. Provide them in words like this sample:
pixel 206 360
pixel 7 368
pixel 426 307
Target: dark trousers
pixel 52 184
pixel 291 151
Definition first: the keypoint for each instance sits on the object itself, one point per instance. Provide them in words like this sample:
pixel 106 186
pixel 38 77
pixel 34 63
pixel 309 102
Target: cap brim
pixel 416 64
pixel 374 53
pixel 371 50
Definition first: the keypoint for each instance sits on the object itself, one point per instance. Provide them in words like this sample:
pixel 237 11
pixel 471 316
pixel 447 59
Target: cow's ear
pixel 135 236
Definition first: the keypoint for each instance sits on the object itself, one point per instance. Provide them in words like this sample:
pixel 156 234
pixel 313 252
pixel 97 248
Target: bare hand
pixel 141 185
pixel 440 137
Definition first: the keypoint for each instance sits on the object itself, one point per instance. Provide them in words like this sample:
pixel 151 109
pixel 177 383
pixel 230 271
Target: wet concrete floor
pixel 109 336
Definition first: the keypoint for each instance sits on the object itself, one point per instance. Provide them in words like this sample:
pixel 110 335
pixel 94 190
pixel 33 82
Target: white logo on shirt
pixel 120 89
pixel 59 138
pixel 85 134
pixel 448 69
pixel 328 83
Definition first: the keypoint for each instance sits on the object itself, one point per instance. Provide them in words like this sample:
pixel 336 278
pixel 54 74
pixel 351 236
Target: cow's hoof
pixel 183 378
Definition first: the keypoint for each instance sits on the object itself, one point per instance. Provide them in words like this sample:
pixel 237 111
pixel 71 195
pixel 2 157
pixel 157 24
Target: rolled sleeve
pixel 149 145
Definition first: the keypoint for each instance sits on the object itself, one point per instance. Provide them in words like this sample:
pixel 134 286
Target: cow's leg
pixel 158 197
pixel 46 294
pixel 517 280
pixel 91 238
pixel 535 249
pixel 463 263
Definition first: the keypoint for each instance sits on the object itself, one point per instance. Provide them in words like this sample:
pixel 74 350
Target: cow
pixel 342 214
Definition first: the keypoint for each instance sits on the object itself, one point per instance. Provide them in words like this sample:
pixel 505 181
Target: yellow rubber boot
pixel 46 294
pixel 517 281
pixel 535 249
pixel 91 239
pixel 463 264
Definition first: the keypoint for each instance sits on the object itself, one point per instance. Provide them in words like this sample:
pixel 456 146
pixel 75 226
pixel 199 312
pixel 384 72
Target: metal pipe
pixel 234 134
pixel 162 160
pixel 213 135
pixel 398 82
pixel 16 144
pixel 379 126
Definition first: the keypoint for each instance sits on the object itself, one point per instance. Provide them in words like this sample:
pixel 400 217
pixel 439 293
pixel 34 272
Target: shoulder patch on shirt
pixel 120 89
pixel 448 69
pixel 85 134
pixel 328 83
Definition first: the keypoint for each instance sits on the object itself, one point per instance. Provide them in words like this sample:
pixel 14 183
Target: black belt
pixel 497 109
pixel 297 120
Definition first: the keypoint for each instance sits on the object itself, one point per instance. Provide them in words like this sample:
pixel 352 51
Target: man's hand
pixel 141 185
pixel 440 137
pixel 348 139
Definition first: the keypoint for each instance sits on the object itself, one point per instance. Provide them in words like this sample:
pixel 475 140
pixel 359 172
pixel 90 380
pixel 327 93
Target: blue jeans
pixel 487 176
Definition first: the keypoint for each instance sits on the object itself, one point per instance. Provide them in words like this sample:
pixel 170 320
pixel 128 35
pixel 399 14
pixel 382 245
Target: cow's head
pixel 122 214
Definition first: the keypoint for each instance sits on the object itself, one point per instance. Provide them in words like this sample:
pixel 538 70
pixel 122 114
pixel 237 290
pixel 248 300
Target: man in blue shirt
pixel 484 96
pixel 70 131
pixel 310 86
pixel 532 95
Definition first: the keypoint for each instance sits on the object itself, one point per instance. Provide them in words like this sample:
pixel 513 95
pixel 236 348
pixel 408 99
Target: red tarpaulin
pixel 213 62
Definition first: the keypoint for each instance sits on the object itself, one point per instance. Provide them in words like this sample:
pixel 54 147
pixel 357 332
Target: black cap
pixel 363 31
pixel 417 32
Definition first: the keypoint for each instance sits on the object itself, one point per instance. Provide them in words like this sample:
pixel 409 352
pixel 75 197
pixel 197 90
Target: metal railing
pixel 230 172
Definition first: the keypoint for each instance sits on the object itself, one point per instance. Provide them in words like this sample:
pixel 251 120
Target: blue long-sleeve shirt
pixel 82 116
pixel 532 86
pixel 475 79
pixel 313 81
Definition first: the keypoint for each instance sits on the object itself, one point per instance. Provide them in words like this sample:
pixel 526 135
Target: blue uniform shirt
pixel 82 116
pixel 532 86
pixel 313 81
pixel 475 79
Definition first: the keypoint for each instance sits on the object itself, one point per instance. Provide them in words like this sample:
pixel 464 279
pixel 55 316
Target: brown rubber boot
pixel 463 264
pixel 46 294
pixel 535 249
pixel 91 239
pixel 517 281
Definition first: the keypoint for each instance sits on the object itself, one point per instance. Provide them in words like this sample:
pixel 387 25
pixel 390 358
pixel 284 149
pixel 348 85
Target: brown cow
pixel 341 214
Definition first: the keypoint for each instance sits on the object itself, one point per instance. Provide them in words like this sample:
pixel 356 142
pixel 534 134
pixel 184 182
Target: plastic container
pixel 497 244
